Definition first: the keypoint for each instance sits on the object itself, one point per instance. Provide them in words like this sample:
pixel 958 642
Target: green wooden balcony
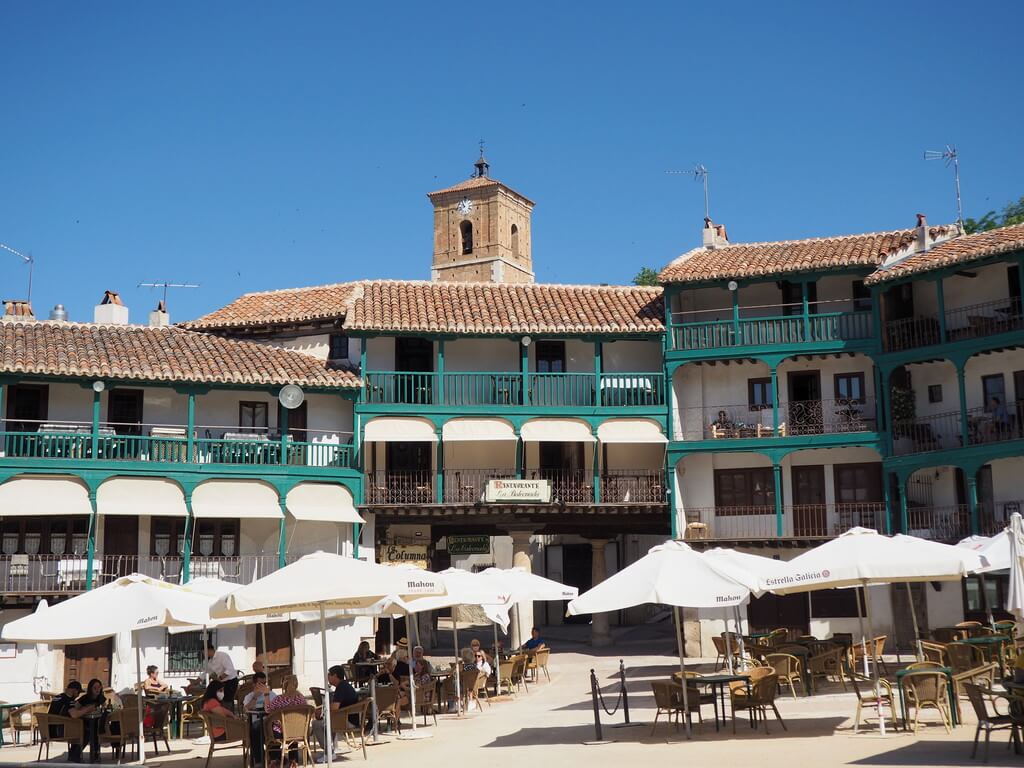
pixel 782 331
pixel 501 389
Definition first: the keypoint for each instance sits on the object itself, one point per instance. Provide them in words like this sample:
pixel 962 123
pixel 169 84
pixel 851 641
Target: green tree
pixel 648 276
pixel 1013 213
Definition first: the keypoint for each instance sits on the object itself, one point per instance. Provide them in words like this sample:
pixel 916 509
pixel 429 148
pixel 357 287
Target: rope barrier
pixel 621 699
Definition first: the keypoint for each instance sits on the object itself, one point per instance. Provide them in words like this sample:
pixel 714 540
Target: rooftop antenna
pixel 699 173
pixel 950 156
pixel 30 260
pixel 166 285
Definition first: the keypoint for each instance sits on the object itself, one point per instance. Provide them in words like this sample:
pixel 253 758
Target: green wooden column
pixel 673 484
pixel 669 402
pixel 775 401
pixel 96 405
pixel 597 470
pixel 972 502
pixel 362 369
pixel 806 310
pixel 597 373
pixel 91 542
pixel 962 387
pixel 439 471
pixel 904 515
pixel 736 317
pixel 282 425
pixel 282 540
pixel 186 555
pixel 357 534
pixel 887 501
pixel 940 299
pixel 524 372
pixel 779 522
pixel 520 456
pixel 190 434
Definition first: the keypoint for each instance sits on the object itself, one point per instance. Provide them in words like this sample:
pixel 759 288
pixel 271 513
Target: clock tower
pixel 481 231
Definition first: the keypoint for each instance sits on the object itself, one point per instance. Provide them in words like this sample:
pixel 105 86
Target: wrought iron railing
pixel 633 486
pixel 829 417
pixel 969 322
pixel 943 523
pixel 239 569
pixel 467 486
pixel 995 424
pixel 396 488
pixel 807 417
pixel 814 521
pixel 923 434
pixel 786 330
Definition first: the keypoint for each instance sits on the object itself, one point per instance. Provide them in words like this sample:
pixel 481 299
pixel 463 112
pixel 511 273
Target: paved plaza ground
pixel 549 725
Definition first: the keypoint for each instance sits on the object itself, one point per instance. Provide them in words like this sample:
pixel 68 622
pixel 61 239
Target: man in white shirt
pixel 220 667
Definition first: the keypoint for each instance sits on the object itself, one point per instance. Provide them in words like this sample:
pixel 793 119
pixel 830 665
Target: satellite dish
pixel 291 396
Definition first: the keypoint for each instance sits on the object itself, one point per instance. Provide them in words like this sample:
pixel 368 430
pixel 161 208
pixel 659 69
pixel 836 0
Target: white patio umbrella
pixel 670 574
pixel 995 552
pixel 323 581
pixel 1015 596
pixel 129 604
pixel 862 557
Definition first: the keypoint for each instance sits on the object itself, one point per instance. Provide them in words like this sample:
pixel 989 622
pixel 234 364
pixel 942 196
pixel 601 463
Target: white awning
pixel 477 429
pixel 556 431
pixel 135 496
pixel 324 502
pixel 631 431
pixel 236 498
pixel 32 495
pixel 393 429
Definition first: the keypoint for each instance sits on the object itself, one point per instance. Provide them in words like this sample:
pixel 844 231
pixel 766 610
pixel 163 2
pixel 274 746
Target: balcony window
pixel 338 346
pixel 849 387
pixel 752 489
pixel 252 416
pixel 550 356
pixel 861 297
pixel 759 394
pixel 185 652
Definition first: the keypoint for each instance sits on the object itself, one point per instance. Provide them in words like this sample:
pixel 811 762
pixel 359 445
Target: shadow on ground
pixel 941 753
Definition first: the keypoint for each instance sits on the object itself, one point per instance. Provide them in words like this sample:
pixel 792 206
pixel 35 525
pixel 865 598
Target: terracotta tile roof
pixel 504 308
pixel 959 250
pixel 476 182
pixel 291 305
pixel 790 256
pixel 141 353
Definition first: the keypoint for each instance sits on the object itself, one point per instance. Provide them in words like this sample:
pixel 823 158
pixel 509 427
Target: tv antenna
pixel 30 260
pixel 166 285
pixel 699 173
pixel 950 156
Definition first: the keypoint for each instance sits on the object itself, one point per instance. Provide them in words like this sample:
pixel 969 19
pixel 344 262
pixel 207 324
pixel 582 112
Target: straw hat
pixel 403 642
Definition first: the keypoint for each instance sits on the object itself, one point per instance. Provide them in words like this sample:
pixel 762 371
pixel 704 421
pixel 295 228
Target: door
pixel 27 406
pixel 770 612
pixel 415 358
pixel 408 477
pixel 85 661
pixel 805 411
pixel 298 422
pixel 120 545
pixel 124 411
pixel 562 465
pixel 858 491
pixel 278 651
pixel 902 604
pixel 809 514
pixel 550 356
pixel 577 571
pixel 1017 412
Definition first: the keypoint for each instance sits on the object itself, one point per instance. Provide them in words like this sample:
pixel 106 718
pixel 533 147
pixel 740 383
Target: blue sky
pixel 249 146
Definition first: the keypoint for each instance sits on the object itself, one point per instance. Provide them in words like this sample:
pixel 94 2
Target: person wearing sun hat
pixel 396 668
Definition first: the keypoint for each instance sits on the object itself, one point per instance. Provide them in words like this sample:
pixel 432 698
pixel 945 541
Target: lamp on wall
pixel 733 285
pixel 98 386
pixel 526 341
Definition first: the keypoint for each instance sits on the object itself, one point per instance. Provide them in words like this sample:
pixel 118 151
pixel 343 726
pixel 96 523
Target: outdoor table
pixel 6 706
pixel 376 663
pixel 173 701
pixel 948 672
pixel 718 685
pixel 256 715
pixel 988 644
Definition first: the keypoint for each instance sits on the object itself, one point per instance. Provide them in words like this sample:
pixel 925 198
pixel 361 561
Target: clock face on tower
pixel 465 206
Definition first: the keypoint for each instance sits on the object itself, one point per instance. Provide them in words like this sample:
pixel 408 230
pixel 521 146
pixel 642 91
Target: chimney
pixel 110 310
pixel 59 313
pixel 18 309
pixel 158 318
pixel 714 234
pixel 921 233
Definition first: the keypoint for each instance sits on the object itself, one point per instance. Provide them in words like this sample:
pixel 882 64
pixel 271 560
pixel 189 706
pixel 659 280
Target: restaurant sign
pixel 518 491
pixel 469 545
pixel 404 554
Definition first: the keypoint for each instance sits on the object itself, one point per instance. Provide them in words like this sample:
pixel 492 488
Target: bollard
pixel 597 713
pixel 625 693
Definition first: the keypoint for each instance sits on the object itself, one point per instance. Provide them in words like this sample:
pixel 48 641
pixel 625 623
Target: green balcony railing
pixel 502 388
pixel 788 330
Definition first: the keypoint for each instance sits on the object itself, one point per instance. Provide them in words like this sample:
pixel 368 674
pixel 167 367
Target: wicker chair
pixel 122 730
pixel 969 666
pixel 158 728
pixel 875 648
pixel 190 713
pixel 944 635
pixel 778 635
pixel 24 719
pixel 294 726
pixel 355 733
pixel 873 700
pixel 927 689
pixel 388 697
pixel 318 696
pixel 934 652
pixel 668 699
pixel 788 668
pixel 827 663
pixel 54 728
pixel 513 674
pixel 541 659
pixel 919 665
pixel 763 691
pixel 236 733
pixel 990 722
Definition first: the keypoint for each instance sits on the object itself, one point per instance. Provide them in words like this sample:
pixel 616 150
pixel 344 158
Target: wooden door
pixel 901 607
pixel 773 611
pixel 27 406
pixel 85 661
pixel 298 422
pixel 809 514
pixel 120 546
pixel 805 408
pixel 278 651
pixel 124 411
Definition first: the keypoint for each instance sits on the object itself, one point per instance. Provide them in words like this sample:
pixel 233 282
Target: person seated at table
pixel 260 695
pixel 723 421
pixel 66 705
pixel 213 703
pixel 476 647
pixel 93 700
pixel 289 697
pixel 397 665
pixel 153 683
pixel 481 663
pixel 362 655
pixel 535 643
pixel 343 695
pixel 1000 424
pixel 257 667
pixel 421 668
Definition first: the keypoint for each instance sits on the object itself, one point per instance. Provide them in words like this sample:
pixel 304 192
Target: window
pixel 934 393
pixel 42 536
pixel 861 297
pixel 834 603
pixel 744 491
pixel 338 347
pixel 252 416
pixel 466 228
pixel 185 652
pixel 550 357
pixel 759 394
pixel 215 538
pixel 26 406
pixel 167 537
pixel 850 387
pixel 858 483
pixel 994 389
pixel 515 240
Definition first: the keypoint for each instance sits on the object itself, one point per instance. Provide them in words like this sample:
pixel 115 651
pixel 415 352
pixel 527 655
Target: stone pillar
pixel 522 617
pixel 599 634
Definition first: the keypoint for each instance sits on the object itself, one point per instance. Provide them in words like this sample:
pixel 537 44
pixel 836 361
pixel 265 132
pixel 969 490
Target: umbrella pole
pixel 141 697
pixel 206 642
pixel 497 663
pixel 984 601
pixel 863 637
pixel 878 685
pixel 677 613
pixel 263 634
pixel 328 731
pixel 392 634
pixel 913 617
pixel 728 641
pixel 458 662
pixel 739 634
